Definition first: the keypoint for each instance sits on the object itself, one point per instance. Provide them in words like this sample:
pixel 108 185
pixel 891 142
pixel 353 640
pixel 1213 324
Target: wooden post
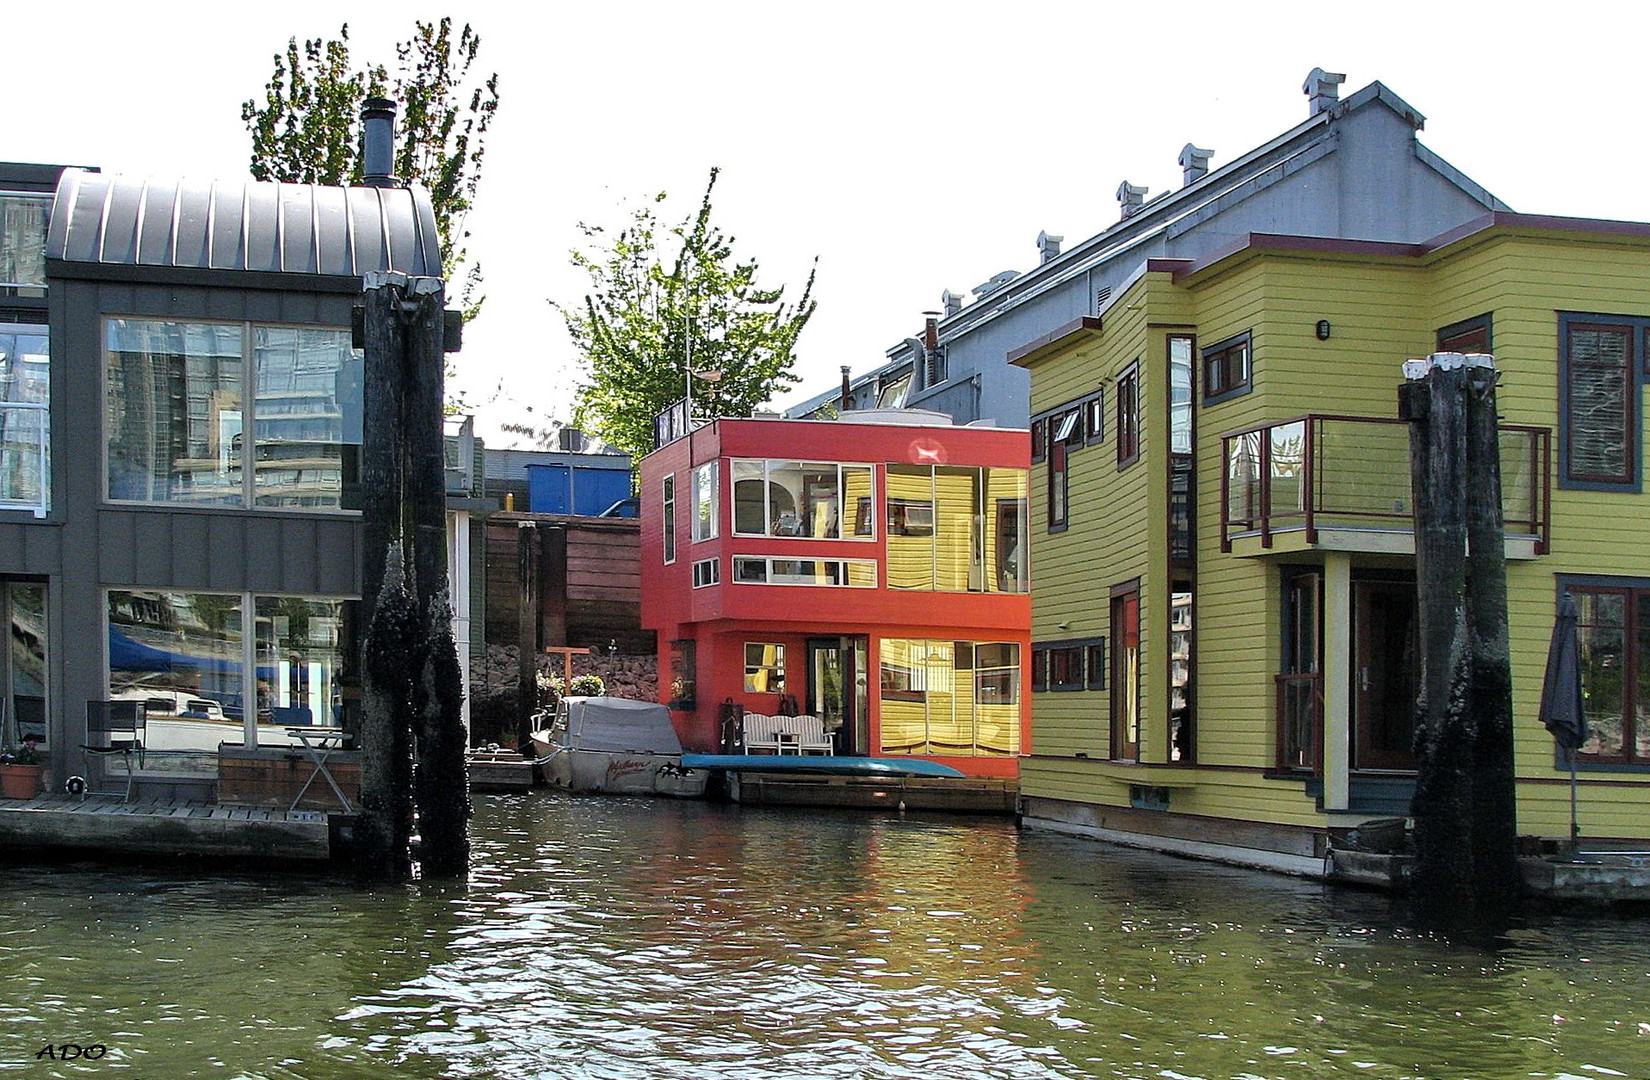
pixel 527 631
pixel 1433 401
pixel 1466 873
pixel 412 684
pixel 384 831
pixel 1495 809
pixel 441 781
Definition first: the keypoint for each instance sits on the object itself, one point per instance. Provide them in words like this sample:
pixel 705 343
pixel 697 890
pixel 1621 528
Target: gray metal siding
pixel 29 547
pixel 302 229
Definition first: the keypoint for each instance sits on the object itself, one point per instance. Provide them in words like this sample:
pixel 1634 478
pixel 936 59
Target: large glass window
pixel 798 498
pixel 178 425
pixel 956 528
pixel 181 654
pixel 185 656
pixel 25 419
pixel 951 698
pixel 23 221
pixel 302 666
pixel 308 398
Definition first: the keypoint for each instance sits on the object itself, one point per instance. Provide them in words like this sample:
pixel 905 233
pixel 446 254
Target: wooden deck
pixel 101 826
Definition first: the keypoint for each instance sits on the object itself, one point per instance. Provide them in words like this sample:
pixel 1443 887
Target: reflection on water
pixel 618 938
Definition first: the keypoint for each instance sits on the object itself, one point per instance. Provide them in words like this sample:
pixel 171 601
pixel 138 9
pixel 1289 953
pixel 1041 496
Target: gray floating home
pixel 180 428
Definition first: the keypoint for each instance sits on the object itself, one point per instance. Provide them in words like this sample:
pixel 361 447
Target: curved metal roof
pixel 242 225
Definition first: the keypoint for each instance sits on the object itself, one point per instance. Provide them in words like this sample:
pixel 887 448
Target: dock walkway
pixel 99 825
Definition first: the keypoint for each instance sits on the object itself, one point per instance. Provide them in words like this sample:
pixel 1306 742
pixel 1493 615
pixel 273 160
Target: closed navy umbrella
pixel 1561 707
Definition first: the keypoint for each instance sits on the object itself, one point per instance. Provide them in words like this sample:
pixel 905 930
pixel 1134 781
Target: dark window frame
pixel 1217 359
pixel 1450 335
pixel 1079 676
pixel 1096 664
pixel 1128 416
pixel 1636 592
pixel 1094 417
pixel 1059 487
pixel 1631 479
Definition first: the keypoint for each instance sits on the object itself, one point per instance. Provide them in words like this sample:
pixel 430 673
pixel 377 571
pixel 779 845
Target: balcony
pixel 1342 483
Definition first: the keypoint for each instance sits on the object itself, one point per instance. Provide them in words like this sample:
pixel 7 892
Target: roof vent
pixel 951 302
pixel 1195 163
pixel 1130 196
pixel 997 281
pixel 1048 246
pixel 1323 89
pixel 378 142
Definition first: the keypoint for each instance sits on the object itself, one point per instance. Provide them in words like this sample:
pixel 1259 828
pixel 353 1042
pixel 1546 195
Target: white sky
pixel 910 147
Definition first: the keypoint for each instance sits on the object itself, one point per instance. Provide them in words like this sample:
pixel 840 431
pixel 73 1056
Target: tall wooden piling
pixel 412 688
pixel 1465 868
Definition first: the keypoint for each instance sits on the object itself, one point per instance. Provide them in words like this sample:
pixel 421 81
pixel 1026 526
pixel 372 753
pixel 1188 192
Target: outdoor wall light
pixel 1323 329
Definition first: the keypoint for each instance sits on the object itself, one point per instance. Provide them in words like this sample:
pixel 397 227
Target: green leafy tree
pixel 664 299
pixel 307 129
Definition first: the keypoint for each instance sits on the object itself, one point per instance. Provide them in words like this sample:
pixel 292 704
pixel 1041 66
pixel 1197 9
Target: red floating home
pixel 870 571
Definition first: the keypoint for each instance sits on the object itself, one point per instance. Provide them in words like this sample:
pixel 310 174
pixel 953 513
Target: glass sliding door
pixel 25 712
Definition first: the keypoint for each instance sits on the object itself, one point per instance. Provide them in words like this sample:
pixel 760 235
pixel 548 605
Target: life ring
pixel 75 785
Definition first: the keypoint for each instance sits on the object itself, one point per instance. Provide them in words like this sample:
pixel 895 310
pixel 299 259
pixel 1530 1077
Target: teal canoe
pixel 828 765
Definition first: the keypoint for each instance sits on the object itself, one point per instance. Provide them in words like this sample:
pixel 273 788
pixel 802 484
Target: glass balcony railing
pixel 1352 472
pixel 25 457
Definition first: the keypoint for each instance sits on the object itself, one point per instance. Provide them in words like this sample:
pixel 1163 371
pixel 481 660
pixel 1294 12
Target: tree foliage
pixel 308 128
pixel 667 298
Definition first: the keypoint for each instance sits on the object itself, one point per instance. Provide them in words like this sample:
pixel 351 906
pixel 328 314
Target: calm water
pixel 611 938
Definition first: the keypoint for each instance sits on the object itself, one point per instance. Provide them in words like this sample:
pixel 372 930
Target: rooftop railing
pixel 1352 472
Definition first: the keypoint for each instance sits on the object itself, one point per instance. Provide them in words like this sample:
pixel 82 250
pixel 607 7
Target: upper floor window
pixel 1128 416
pixel 1226 369
pixel 1180 394
pixel 232 414
pixel 894 390
pixel 1058 473
pixel 1468 336
pixel 802 499
pixel 25 419
pixel 704 502
pixel 1599 402
pixel 668 517
pixel 1094 418
pixel 23 220
pixel 956 528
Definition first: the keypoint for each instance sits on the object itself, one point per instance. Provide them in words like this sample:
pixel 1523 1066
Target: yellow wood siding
pixel 1381 310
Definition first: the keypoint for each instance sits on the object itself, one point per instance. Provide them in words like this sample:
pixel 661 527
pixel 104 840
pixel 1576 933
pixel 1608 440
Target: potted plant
pixel 20 770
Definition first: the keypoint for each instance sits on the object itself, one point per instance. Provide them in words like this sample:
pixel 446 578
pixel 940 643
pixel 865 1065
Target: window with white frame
pixel 668 518
pixel 762 570
pixel 799 499
pixel 704 502
pixel 25 419
pixel 707 572
pixel 764 667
